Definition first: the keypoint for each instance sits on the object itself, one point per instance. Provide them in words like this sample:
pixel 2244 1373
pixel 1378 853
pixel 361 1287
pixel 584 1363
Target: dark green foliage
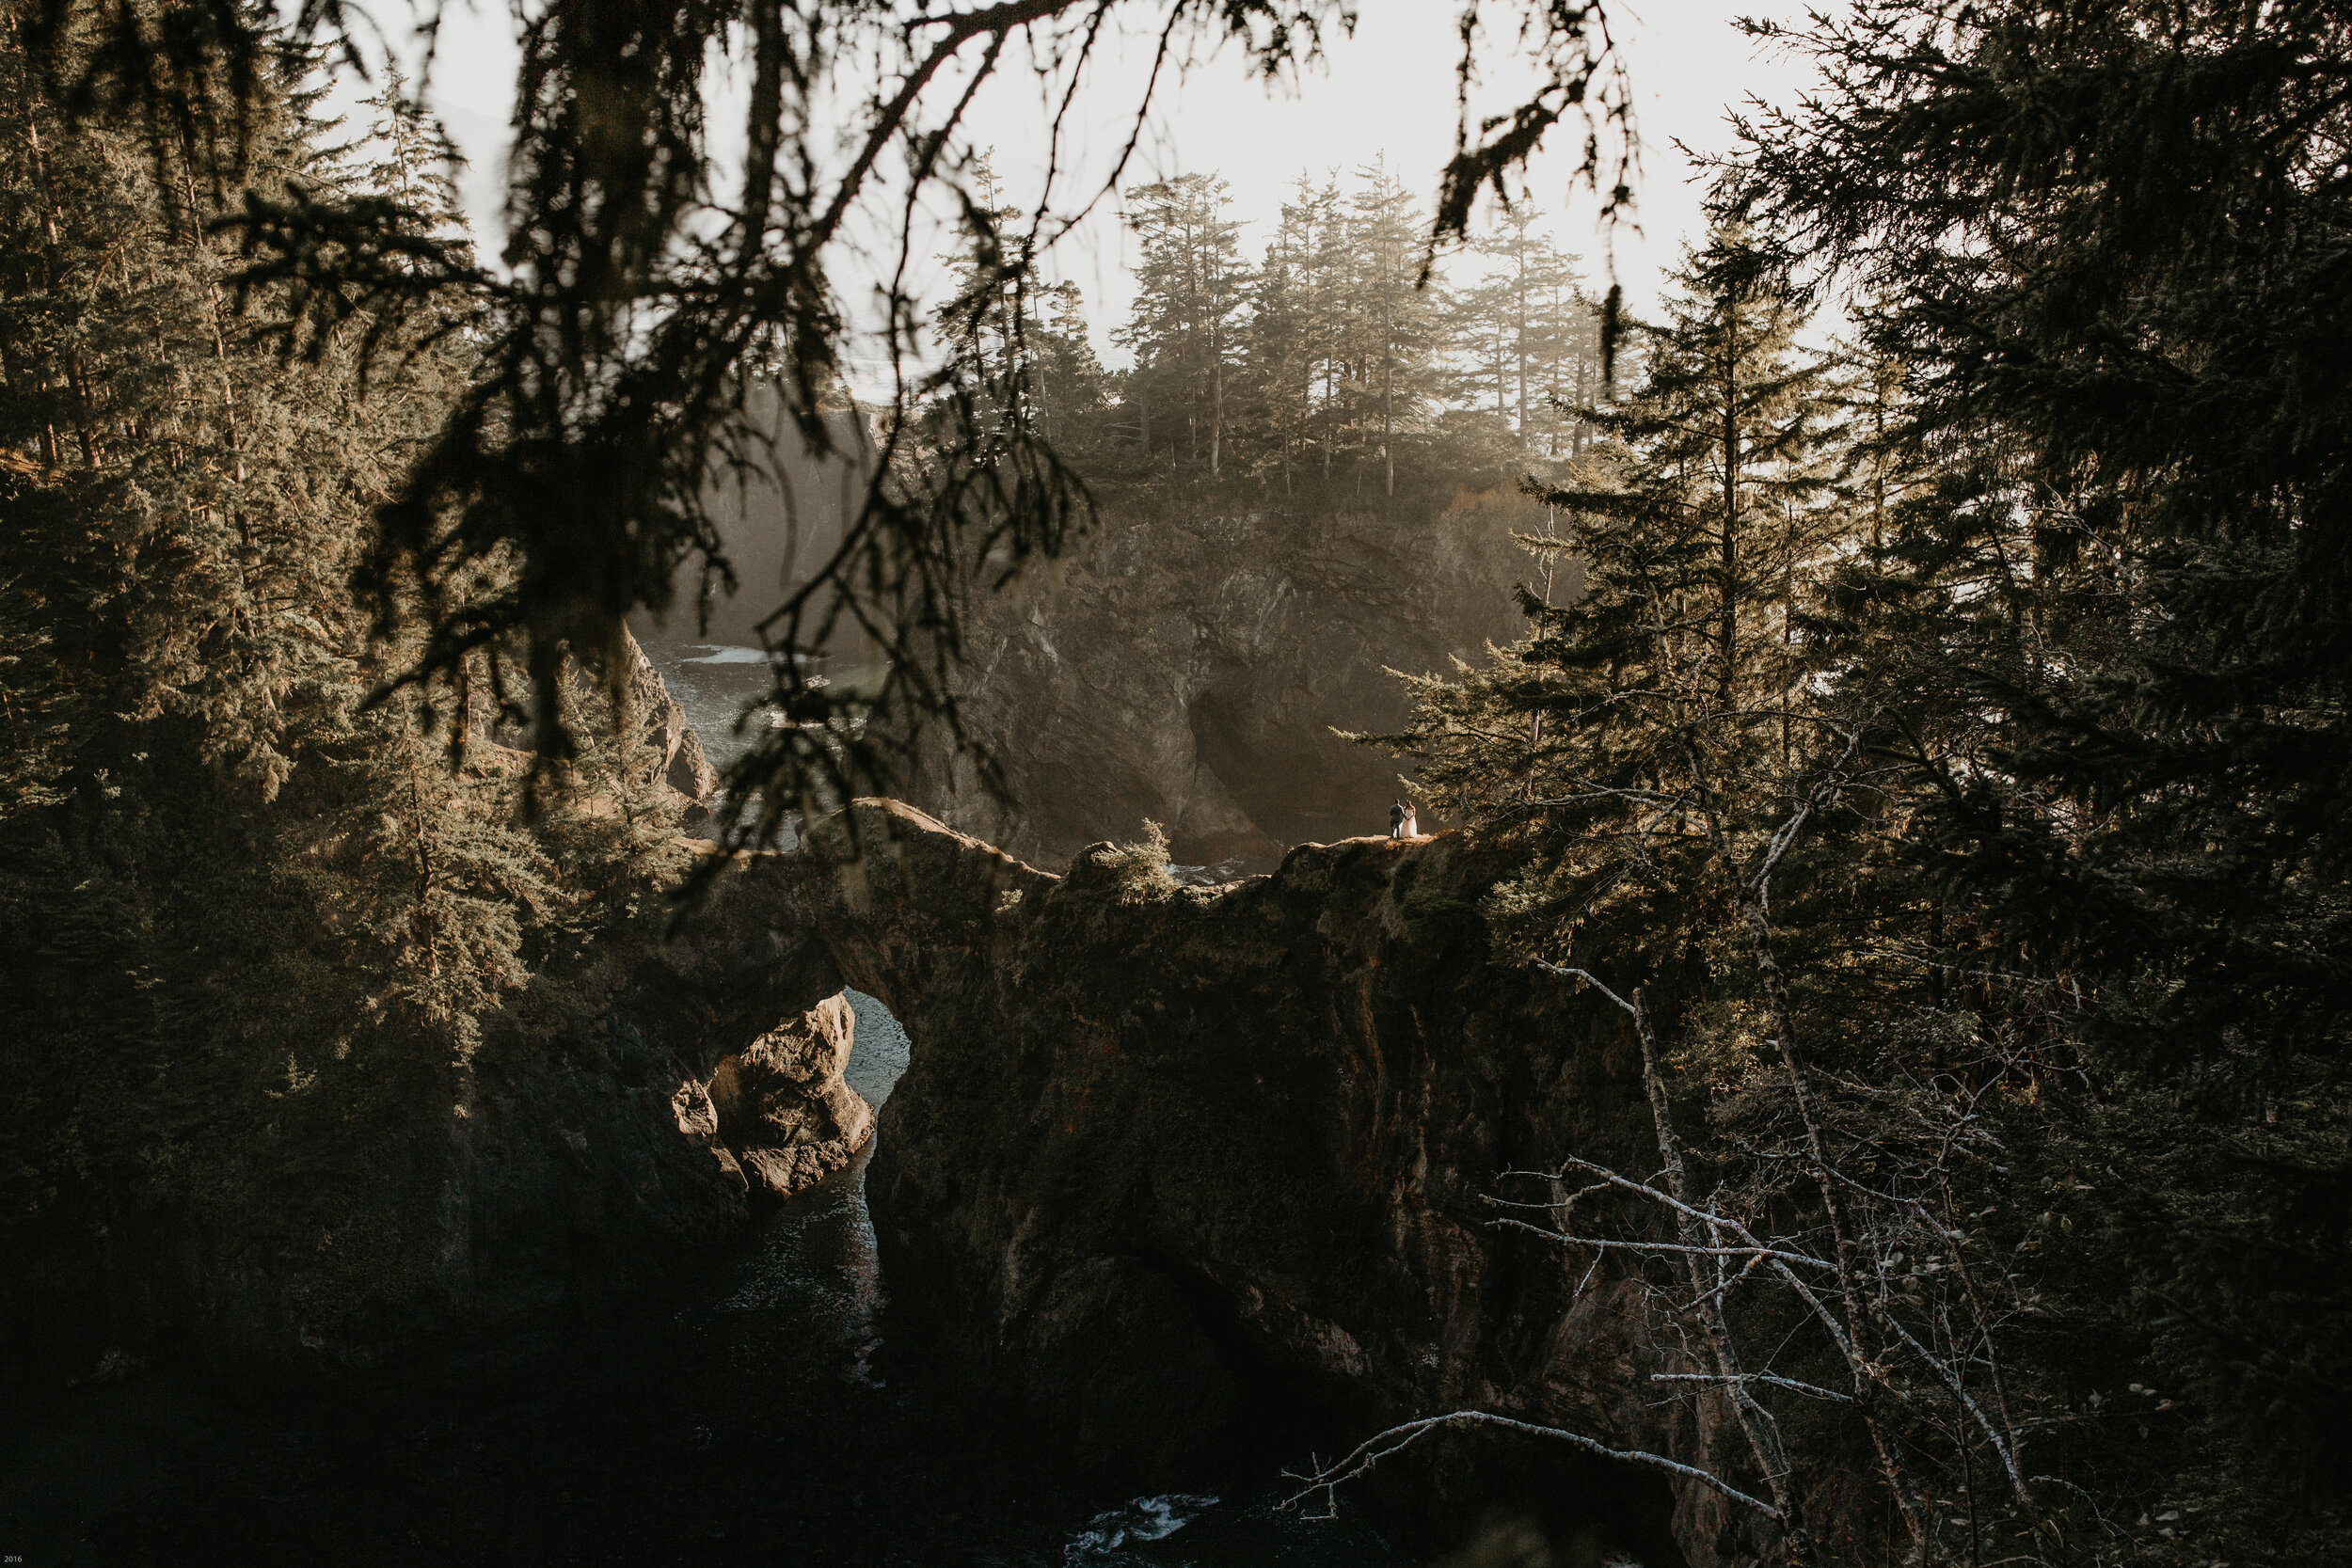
pixel 164 460
pixel 241 902
pixel 1687 811
pixel 1692 522
pixel 611 828
pixel 2110 242
pixel 437 886
pixel 2068 584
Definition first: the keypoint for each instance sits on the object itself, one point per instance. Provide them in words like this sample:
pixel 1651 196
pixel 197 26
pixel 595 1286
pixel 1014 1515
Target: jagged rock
pixel 781 1106
pixel 683 765
pixel 1190 670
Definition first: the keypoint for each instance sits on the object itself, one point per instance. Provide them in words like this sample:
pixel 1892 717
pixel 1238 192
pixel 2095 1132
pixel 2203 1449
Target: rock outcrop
pixel 679 763
pixel 684 768
pixel 1191 669
pixel 1162 1155
pixel 779 1106
pixel 1161 1149
pixel 1180 664
pixel 780 511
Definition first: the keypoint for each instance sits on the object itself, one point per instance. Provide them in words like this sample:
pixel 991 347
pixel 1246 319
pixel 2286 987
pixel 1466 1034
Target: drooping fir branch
pixel 634 298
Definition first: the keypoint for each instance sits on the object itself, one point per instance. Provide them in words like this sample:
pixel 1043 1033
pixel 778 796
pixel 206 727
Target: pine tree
pixel 411 162
pixel 1524 340
pixel 264 872
pixel 1480 327
pixel 1184 334
pixel 1680 650
pixel 191 505
pixel 2104 243
pixel 611 826
pixel 1281 339
pixel 1328 259
pixel 1681 764
pixel 1534 279
pixel 1020 364
pixel 1393 329
pixel 440 884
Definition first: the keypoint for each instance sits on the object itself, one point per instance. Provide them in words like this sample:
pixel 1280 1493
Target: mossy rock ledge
pixel 1164 1159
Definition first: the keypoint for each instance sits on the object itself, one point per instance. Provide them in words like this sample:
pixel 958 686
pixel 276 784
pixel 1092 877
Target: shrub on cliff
pixel 1139 870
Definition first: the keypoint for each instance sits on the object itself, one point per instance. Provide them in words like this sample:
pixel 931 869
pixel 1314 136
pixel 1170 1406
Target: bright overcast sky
pixel 1388 91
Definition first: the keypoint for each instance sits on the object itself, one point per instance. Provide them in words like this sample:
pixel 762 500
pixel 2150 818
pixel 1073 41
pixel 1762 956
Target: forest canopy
pixel 1339 354
pixel 639 290
pixel 1941 775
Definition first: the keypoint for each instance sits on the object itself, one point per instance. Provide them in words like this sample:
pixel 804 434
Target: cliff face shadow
pixel 767 1405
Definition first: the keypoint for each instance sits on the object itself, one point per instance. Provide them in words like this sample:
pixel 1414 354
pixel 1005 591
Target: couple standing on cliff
pixel 1401 820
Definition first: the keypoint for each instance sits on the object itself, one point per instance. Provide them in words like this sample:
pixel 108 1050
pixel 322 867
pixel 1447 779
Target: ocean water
pixel 1116 1535
pixel 1209 876
pixel 717 686
pixel 721 686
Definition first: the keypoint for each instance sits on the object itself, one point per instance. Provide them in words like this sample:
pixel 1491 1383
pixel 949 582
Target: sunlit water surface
pixel 721 687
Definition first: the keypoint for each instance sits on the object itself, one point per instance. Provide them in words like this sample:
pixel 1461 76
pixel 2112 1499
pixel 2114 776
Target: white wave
pixel 1205 876
pixel 1144 1519
pixel 720 655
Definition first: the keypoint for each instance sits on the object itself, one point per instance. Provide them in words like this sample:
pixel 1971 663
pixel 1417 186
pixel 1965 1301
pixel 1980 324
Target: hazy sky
pixel 1387 91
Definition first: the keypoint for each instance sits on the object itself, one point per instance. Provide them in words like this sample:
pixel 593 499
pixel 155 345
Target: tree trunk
pixel 1217 403
pixel 1388 378
pixel 1519 324
pixel 1731 496
pixel 76 381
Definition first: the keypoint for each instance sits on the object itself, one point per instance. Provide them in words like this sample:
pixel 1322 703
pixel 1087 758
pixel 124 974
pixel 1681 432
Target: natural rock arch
pixel 1159 1149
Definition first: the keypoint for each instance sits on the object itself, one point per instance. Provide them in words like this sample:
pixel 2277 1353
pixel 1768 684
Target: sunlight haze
pixel 1387 92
